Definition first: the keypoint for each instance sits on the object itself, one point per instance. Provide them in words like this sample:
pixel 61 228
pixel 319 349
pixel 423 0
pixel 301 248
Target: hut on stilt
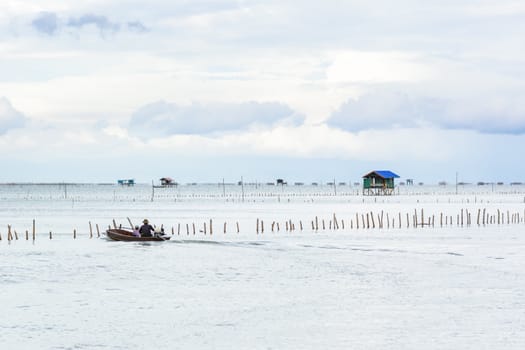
pixel 379 183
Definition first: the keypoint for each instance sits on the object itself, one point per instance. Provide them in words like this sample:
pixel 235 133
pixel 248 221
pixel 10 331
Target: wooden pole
pixel 16 235
pixel 257 226
pixel 225 227
pixel 98 230
pixel 178 229
pixel 50 235
pixel 187 229
pixel 193 224
pixel 90 230
pixel 114 224
pixel 238 227
pixel 27 235
pixel 74 233
pixel 211 227
pixel 34 229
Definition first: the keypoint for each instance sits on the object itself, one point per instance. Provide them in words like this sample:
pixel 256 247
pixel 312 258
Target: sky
pixel 201 90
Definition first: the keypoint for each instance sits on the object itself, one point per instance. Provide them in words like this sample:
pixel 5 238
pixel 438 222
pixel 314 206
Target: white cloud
pixel 377 67
pixel 162 118
pixel 10 118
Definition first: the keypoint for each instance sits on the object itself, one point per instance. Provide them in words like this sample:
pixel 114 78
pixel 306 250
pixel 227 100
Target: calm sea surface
pixel 392 288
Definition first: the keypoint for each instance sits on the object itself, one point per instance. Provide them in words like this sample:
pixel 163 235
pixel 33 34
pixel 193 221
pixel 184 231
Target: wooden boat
pixel 125 235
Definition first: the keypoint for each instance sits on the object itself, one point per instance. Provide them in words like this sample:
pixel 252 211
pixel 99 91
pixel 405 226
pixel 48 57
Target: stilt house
pixel 379 183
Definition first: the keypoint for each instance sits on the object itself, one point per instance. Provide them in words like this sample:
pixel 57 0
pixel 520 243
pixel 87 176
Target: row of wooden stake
pixel 367 220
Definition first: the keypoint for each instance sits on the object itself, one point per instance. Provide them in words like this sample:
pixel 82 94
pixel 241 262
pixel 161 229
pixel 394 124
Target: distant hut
pixel 379 183
pixel 166 181
pixel 126 182
pixel 281 182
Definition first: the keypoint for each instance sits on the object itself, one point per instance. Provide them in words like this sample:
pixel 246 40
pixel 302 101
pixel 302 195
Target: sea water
pixel 391 288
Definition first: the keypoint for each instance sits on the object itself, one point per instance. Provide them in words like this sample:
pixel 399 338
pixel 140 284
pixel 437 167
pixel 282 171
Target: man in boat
pixel 146 229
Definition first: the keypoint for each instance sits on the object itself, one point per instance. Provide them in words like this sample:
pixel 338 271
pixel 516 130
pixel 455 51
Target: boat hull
pixel 127 236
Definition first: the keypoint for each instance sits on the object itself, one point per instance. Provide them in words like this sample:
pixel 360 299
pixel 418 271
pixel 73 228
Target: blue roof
pixel 385 174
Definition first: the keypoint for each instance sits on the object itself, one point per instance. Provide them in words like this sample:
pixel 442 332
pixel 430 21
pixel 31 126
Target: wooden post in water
pixel 16 235
pixel 316 224
pixel 50 235
pixel 27 235
pixel 225 227
pixel 74 233
pixel 187 230
pixel 193 225
pixel 479 213
pixel 90 230
pixel 204 227
pixel 98 230
pixel 211 227
pixel 238 230
pixel 484 210
pixel 301 225
pixel 34 229
pixel 357 221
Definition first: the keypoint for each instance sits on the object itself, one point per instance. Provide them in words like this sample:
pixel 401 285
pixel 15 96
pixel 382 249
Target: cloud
pixel 99 21
pixel 384 109
pixel 136 26
pixel 50 23
pixel 10 118
pixel 46 22
pixel 164 119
